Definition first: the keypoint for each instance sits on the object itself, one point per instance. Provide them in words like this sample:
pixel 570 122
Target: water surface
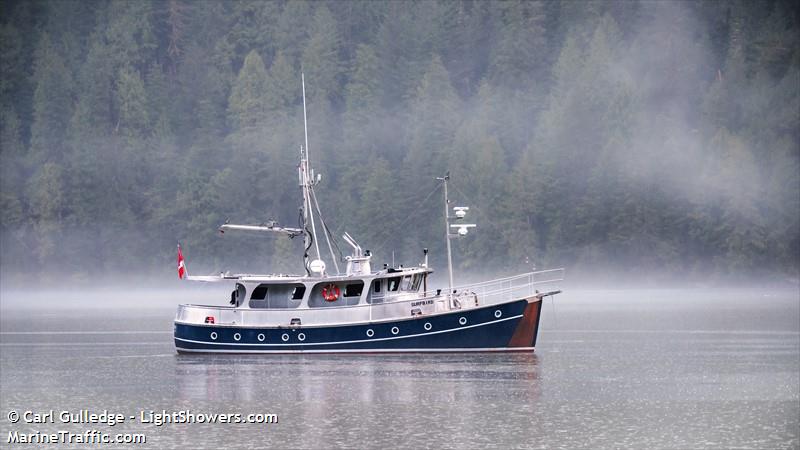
pixel 634 369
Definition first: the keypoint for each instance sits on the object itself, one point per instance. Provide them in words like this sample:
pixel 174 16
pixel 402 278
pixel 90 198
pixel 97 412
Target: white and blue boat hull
pixel 511 326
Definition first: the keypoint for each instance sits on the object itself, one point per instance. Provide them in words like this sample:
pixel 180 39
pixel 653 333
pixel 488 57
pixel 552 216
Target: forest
pixel 629 137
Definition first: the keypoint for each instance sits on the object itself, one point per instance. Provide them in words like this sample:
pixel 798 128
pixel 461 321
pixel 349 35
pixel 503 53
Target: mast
pixel 461 229
pixel 308 192
pixel 447 234
pixel 305 117
pixel 307 177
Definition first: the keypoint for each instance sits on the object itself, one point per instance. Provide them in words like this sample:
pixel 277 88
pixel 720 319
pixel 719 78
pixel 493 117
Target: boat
pixel 359 309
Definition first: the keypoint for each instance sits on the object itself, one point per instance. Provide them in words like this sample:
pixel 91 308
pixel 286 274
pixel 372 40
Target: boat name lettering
pixel 422 302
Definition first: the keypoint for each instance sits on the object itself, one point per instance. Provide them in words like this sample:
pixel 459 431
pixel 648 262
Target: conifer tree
pixel 52 102
pixel 322 55
pixel 247 105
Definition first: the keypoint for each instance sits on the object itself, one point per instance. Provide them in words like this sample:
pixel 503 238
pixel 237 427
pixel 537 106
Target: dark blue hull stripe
pixel 358 341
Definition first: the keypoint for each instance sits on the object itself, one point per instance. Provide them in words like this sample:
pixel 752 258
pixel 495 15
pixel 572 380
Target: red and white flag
pixel 181 264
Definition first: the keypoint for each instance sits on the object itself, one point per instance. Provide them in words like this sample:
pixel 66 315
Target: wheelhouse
pixel 386 286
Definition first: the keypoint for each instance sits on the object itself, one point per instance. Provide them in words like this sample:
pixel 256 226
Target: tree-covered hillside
pixel 637 135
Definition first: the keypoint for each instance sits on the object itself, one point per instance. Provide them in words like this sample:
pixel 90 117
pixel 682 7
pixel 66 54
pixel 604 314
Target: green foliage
pixel 651 136
pixel 322 55
pixel 52 102
pixel 433 121
pixel 521 45
pixel 131 100
pixel 248 103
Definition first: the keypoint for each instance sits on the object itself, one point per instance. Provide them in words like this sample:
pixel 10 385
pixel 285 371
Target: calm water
pixel 631 369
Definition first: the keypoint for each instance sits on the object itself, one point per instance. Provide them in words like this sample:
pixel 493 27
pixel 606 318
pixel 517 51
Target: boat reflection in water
pixel 321 384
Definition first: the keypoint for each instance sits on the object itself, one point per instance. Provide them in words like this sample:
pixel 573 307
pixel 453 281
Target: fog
pixel 634 143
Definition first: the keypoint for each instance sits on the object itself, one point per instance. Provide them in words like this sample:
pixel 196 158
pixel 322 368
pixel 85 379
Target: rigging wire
pixel 325 230
pixel 335 243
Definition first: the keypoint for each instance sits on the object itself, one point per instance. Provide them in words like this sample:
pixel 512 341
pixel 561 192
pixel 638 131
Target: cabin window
pixel 406 284
pixel 417 282
pixel 277 296
pixel 353 290
pixel 375 296
pixel 237 296
pixel 394 284
pixel 259 293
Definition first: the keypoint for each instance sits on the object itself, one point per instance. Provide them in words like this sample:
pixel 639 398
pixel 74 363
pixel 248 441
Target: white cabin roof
pixel 288 278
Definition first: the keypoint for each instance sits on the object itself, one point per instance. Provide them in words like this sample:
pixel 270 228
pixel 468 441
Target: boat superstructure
pixel 360 309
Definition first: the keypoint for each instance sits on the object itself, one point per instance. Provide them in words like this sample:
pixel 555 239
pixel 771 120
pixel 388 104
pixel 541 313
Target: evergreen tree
pixel 11 170
pixel 131 101
pixel 12 63
pixel 433 121
pixel 291 31
pixel 52 103
pixel 521 46
pixel 247 105
pixel 130 33
pixel 253 27
pixel 283 86
pixel 47 209
pixel 322 55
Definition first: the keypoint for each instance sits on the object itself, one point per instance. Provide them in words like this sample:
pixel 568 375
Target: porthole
pixel 498 313
pixel 285 337
pixel 370 333
pixel 261 337
pixel 462 321
pixel 237 336
pixel 301 337
pixel 428 326
pixel 395 330
pixel 214 335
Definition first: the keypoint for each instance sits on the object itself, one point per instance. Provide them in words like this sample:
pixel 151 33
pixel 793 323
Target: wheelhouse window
pixel 375 295
pixel 406 284
pixel 403 283
pixel 417 282
pixel 353 290
pixel 277 296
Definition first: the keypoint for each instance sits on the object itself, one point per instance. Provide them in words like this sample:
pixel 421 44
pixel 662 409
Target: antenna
pixel 305 117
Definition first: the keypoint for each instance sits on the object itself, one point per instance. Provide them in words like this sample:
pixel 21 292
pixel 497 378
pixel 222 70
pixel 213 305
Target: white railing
pixel 504 289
